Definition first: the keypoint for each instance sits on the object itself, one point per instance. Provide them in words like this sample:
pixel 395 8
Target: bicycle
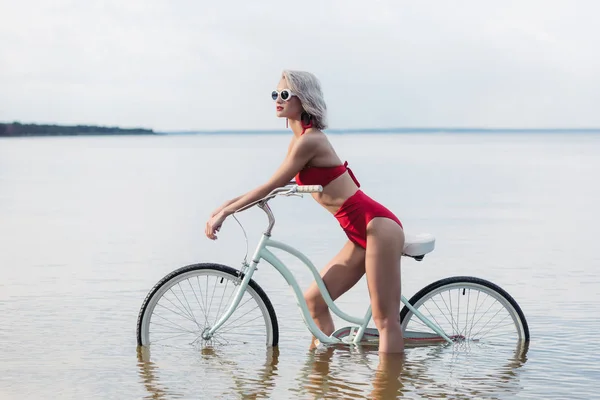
pixel 459 326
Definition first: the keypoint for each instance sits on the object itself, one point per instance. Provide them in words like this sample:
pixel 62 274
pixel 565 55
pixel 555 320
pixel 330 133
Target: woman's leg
pixel 340 275
pixel 387 383
pixel 385 243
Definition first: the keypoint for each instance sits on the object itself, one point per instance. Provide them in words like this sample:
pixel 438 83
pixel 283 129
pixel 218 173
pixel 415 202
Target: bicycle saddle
pixel 417 245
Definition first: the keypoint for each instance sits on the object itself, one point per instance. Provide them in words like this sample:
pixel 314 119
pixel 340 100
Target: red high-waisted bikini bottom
pixel 356 212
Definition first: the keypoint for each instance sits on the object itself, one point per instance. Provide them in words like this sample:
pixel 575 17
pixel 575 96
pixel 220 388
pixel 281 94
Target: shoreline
pixel 16 129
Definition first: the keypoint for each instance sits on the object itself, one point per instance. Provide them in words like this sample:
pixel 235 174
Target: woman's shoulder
pixel 312 141
pixel 313 134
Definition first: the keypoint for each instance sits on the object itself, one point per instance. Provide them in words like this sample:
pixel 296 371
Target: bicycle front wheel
pixel 466 309
pixel 188 301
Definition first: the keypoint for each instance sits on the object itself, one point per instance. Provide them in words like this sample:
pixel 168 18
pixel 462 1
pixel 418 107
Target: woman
pixel 376 236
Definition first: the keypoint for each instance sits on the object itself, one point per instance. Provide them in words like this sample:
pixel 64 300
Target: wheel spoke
pixel 479 319
pixel 222 296
pixel 170 337
pixel 458 313
pixel 180 302
pixel 172 328
pixel 178 313
pixel 467 316
pixel 196 296
pixel 444 315
pixel 230 328
pixel 238 318
pixel 493 327
pixel 188 304
pixel 433 316
pixel 476 317
pixel 182 328
pixel 201 296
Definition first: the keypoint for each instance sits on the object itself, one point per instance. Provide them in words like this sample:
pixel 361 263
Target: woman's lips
pixel 279 108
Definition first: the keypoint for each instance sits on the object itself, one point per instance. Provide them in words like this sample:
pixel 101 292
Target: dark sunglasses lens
pixel 285 95
pixel 274 95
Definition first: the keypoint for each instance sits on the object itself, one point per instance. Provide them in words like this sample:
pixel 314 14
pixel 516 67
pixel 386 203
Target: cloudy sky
pixel 186 65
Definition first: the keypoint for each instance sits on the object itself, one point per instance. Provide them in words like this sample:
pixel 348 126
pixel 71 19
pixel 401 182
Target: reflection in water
pixel 250 383
pixel 349 372
pixel 321 377
pixel 466 371
pixel 339 372
pixel 324 376
pixel 387 383
pixel 148 372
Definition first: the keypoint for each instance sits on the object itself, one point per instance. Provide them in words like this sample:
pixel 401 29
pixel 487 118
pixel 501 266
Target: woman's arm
pixel 298 156
pixel 222 206
pixel 229 202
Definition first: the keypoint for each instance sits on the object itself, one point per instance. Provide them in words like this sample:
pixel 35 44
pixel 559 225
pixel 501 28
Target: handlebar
pixel 309 189
pixel 289 190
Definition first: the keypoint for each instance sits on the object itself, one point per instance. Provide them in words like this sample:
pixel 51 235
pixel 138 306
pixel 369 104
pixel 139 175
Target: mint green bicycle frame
pixel 262 252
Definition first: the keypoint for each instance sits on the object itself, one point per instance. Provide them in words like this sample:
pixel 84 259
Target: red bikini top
pixel 322 175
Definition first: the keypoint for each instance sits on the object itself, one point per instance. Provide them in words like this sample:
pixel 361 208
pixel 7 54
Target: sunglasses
pixel 285 94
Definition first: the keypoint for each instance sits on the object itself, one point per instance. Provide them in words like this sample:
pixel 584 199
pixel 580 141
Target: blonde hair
pixel 307 87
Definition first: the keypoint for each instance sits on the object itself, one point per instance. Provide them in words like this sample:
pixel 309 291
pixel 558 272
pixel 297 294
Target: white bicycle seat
pixel 418 245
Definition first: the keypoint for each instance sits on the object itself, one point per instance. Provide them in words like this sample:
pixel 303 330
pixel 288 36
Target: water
pixel 89 224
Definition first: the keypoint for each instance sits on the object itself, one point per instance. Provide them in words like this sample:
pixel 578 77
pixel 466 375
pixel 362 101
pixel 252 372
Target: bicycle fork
pixel 248 270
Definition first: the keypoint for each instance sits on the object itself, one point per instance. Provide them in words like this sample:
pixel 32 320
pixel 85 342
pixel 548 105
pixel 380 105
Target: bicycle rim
pixel 188 301
pixel 469 310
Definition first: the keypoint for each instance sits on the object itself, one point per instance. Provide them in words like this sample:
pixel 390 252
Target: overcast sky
pixel 185 65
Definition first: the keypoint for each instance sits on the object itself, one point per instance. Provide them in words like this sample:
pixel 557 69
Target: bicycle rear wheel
pixel 191 299
pixel 467 309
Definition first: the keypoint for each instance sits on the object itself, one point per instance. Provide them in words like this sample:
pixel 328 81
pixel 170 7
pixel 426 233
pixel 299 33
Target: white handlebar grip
pixel 310 189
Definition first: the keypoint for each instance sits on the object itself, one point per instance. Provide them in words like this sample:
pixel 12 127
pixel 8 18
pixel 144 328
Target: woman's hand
pixel 214 224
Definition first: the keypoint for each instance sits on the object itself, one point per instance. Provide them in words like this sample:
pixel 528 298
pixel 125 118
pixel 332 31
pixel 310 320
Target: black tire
pixel 216 267
pixel 468 280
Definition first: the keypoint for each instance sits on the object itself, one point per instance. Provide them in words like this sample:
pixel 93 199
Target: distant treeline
pixel 18 129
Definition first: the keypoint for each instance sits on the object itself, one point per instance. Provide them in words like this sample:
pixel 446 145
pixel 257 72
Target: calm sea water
pixel 89 224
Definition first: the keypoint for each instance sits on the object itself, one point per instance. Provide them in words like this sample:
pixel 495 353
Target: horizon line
pixel 382 130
